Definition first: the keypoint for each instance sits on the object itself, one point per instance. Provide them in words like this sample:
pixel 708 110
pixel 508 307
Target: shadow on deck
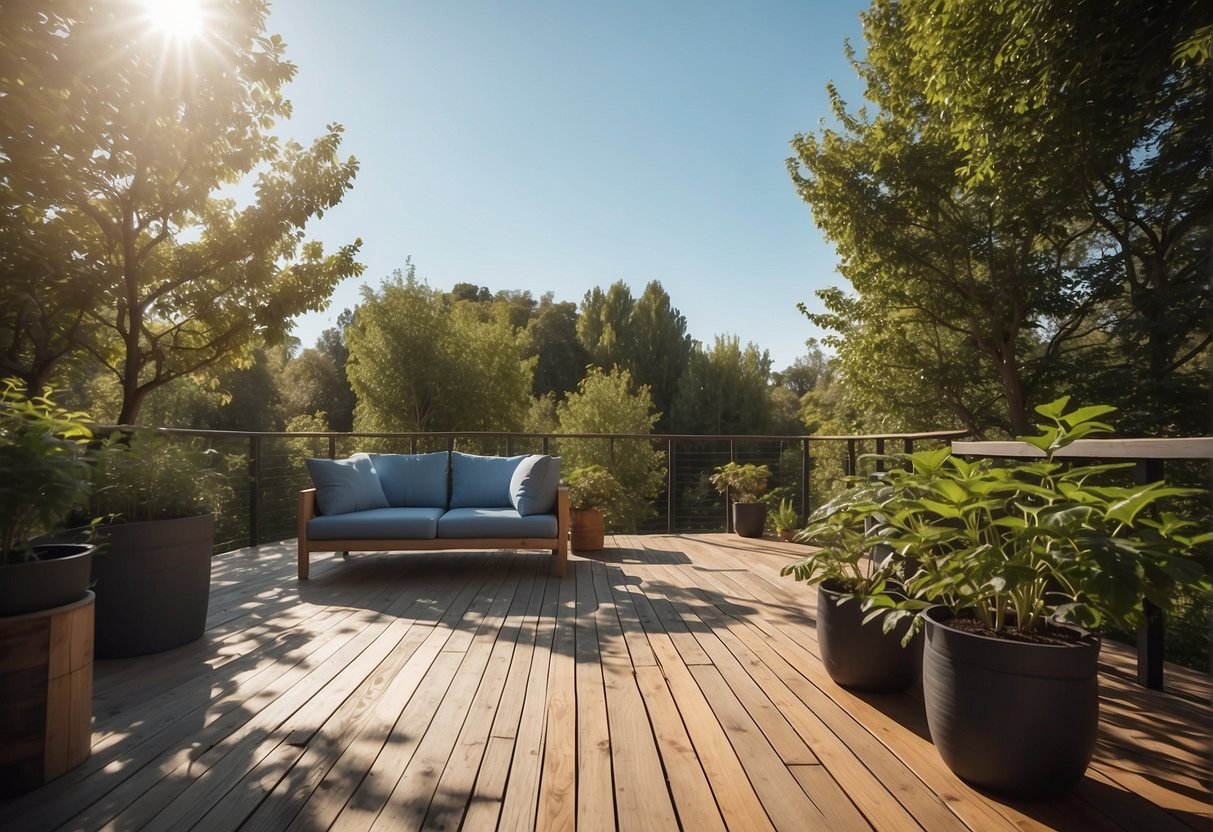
pixel 667 682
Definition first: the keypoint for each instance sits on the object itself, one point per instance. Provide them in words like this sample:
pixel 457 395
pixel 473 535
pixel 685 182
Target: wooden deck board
pixel 666 682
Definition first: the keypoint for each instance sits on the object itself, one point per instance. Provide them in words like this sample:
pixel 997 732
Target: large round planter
pixel 46 694
pixel 153 583
pixel 862 656
pixel 588 529
pixel 59 576
pixel 1015 718
pixel 749 519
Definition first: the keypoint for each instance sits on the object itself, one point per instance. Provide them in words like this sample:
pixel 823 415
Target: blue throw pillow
pixel 482 481
pixel 533 486
pixel 345 485
pixel 413 480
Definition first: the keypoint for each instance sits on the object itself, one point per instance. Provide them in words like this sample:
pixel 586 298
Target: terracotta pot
pixel 862 656
pixel 589 529
pixel 1011 717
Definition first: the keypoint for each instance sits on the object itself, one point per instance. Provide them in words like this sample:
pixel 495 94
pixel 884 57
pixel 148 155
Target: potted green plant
pixel 46 610
pixel 785 519
pixel 156 497
pixel 866 644
pixel 46 469
pixel 592 490
pixel 743 485
pixel 1017 563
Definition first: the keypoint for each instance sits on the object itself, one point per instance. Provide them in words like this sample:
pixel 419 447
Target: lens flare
pixel 175 19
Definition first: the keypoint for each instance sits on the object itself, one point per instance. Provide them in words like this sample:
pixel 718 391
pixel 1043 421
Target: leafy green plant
pixel 742 483
pixel 592 487
pixel 44 460
pixel 144 475
pixel 1020 544
pixel 785 518
pixel 844 534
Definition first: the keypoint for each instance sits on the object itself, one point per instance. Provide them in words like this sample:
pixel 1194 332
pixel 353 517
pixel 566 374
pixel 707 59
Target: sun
pixel 175 19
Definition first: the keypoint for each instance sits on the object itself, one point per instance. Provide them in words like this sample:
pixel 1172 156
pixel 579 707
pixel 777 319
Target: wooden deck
pixel 672 682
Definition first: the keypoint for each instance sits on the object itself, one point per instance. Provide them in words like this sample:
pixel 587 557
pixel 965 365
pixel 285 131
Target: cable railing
pixel 270 471
pixel 805 469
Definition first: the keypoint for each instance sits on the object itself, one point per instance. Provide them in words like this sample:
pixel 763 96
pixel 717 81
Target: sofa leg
pixel 560 564
pixel 303 563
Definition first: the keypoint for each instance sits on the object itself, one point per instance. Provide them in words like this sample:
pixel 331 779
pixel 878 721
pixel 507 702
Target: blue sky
pixel 547 146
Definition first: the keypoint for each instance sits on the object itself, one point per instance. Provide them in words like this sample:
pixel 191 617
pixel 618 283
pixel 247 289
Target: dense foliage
pixel 119 248
pixel 1022 208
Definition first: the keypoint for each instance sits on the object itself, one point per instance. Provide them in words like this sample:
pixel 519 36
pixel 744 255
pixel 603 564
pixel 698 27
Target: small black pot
pixel 1015 718
pixel 749 519
pixel 862 656
pixel 153 583
pixel 59 576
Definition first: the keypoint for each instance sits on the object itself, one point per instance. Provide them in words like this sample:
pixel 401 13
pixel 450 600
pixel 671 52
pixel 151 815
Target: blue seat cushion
pixel 413 480
pixel 495 522
pixel 377 524
pixel 534 483
pixel 482 481
pixel 344 485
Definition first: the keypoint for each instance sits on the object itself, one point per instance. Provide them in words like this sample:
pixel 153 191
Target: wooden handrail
pixel 1183 447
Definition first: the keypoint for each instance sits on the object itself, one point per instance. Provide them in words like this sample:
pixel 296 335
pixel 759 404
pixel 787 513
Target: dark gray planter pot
pixel 862 656
pixel 749 519
pixel 60 576
pixel 153 583
pixel 1010 717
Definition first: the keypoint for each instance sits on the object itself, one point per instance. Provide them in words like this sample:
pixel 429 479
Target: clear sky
pixel 558 146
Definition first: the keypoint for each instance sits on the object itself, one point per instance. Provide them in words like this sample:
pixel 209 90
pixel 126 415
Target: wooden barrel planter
pixel 46 694
pixel 588 530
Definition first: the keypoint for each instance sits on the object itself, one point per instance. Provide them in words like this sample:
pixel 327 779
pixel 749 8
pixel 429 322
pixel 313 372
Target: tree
pixel 1116 94
pixel 904 371
pixel 806 371
pixel 1033 174
pixel 340 398
pixel 560 358
pixel 648 337
pixel 311 385
pixel 724 390
pixel 418 364
pixel 608 402
pixel 117 144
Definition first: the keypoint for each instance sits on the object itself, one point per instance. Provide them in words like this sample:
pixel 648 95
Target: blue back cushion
pixel 413 480
pixel 533 485
pixel 482 481
pixel 345 485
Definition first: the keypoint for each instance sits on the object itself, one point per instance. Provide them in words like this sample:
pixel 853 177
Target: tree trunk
pixel 1013 389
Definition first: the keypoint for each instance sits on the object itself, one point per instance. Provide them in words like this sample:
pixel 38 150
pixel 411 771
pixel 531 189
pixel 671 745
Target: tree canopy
pixel 645 336
pixel 610 402
pixel 118 147
pixel 417 363
pixel 1020 207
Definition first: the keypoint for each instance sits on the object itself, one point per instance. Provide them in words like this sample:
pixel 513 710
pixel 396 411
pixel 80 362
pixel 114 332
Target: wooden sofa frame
pixel 559 545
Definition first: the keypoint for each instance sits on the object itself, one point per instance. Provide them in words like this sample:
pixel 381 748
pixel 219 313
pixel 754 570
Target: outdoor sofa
pixel 442 500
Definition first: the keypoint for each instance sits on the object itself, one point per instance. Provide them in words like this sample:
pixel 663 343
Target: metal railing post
pixel 805 465
pixel 1151 635
pixel 669 501
pixel 254 490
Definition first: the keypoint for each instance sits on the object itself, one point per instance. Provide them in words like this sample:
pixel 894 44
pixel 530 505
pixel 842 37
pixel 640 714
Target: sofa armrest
pixel 307 510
